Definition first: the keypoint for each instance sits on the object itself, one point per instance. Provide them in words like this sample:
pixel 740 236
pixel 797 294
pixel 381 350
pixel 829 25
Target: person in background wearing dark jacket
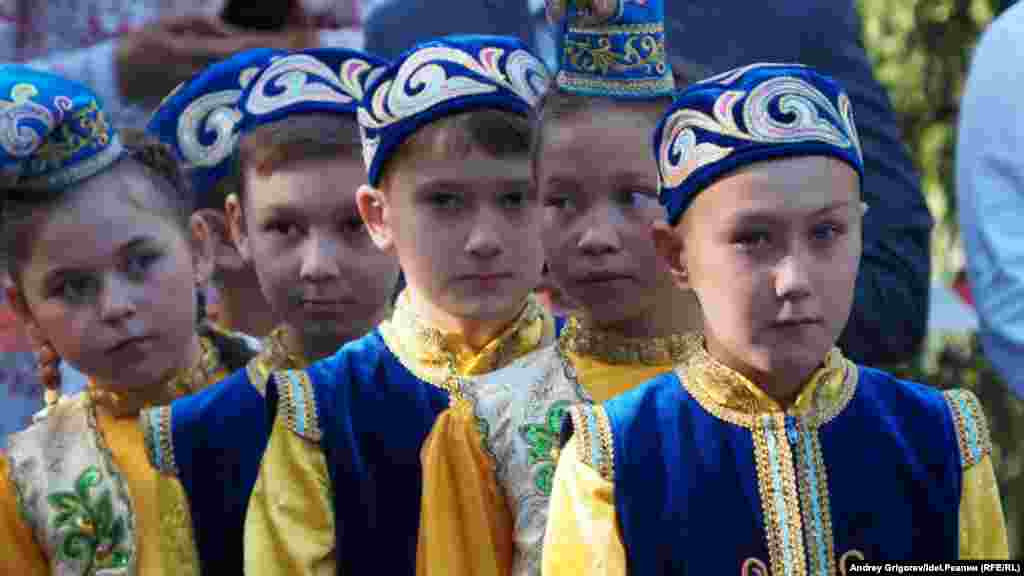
pixel 716 35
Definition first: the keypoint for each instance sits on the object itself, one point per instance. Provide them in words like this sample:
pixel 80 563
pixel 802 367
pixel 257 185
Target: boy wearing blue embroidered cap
pixel 198 120
pixel 296 223
pixel 446 145
pixel 752 454
pixel 95 237
pixel 485 507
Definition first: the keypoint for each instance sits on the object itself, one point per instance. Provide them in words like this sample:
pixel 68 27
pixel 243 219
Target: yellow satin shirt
pixel 290 522
pixel 466 524
pixel 583 535
pixel 162 525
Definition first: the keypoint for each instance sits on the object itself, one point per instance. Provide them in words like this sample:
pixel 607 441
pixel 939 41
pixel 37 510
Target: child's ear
pixel 376 214
pixel 19 306
pixel 236 224
pixel 202 248
pixel 224 252
pixel 671 248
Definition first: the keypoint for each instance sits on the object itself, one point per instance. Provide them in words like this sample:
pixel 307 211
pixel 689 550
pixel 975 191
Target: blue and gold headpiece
pixel 53 131
pixel 447 76
pixel 747 115
pixel 620 54
pixel 319 80
pixel 198 119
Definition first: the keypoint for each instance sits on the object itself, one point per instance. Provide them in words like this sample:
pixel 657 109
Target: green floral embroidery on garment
pixel 91 534
pixel 543 440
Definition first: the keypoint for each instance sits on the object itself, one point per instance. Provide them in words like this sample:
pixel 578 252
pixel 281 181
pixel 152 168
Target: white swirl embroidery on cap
pixel 527 76
pixel 422 82
pixel 846 109
pixel 293 74
pixel 680 153
pixel 394 100
pixel 799 99
pixel 216 112
pixel 24 124
pixel 356 75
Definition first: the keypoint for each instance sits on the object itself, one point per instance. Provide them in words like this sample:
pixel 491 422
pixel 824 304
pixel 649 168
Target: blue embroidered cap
pixel 198 119
pixel 622 57
pixel 441 78
pixel 53 131
pixel 319 80
pixel 751 114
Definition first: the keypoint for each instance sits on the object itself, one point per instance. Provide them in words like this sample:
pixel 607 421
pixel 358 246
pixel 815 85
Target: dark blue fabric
pixel 219 436
pixel 705 37
pixel 375 416
pixel 559 324
pixel 686 488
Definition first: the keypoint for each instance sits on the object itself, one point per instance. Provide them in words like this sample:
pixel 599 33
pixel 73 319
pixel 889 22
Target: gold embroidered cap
pixel 53 131
pixel 613 48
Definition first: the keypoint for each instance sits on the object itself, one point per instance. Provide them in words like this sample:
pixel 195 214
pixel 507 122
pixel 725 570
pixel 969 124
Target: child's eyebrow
pixel 833 206
pixel 56 273
pixel 743 216
pixel 282 211
pixel 134 243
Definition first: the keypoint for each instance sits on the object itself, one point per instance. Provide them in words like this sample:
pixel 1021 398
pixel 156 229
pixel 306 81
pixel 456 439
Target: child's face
pixel 772 252
pixel 315 262
pixel 599 185
pixel 109 281
pixel 466 230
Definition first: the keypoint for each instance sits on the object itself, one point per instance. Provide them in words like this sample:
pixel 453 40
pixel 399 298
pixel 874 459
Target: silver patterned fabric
pixel 522 406
pixel 71 494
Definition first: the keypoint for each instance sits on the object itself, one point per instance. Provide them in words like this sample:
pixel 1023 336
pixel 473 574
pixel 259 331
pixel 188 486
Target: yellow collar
pixel 612 348
pixel 275 356
pixel 185 382
pixel 437 357
pixel 730 396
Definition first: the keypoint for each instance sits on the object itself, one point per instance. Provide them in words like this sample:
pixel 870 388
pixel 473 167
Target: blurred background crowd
pixel 936 107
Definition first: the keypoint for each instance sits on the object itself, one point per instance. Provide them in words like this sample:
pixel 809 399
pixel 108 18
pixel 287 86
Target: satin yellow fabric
pixel 982 524
pixel 158 502
pixel 583 534
pixel 22 555
pixel 288 532
pixel 466 524
pixel 289 527
pixel 583 537
pixel 163 537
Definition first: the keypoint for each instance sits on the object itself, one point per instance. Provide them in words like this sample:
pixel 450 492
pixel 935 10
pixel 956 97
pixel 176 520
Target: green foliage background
pixel 921 50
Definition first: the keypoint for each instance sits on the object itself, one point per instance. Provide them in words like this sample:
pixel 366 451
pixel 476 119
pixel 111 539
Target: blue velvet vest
pixel 877 479
pixel 218 437
pixel 374 416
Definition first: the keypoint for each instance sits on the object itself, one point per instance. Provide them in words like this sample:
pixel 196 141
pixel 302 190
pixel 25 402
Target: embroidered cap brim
pixel 448 76
pixel 320 80
pixel 752 114
pixel 199 118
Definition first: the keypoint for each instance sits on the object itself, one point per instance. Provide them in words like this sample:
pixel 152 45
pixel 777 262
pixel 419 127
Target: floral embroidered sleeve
pixel 582 535
pixel 22 556
pixel 466 526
